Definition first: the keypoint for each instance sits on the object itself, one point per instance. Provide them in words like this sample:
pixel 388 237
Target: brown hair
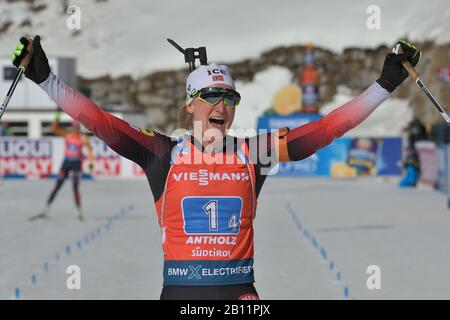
pixel 184 118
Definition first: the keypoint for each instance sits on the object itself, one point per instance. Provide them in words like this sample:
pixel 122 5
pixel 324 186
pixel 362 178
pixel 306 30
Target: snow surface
pixel 357 223
pixel 258 94
pixel 120 37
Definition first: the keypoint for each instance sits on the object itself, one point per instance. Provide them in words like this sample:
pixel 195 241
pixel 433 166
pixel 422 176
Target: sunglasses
pixel 212 96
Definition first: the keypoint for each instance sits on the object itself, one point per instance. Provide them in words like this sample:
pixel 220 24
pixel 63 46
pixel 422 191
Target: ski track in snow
pixel 358 223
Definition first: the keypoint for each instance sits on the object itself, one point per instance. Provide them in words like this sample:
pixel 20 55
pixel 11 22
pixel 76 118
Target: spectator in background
pixel 440 133
pixel 411 165
pixel 5 131
pixel 416 131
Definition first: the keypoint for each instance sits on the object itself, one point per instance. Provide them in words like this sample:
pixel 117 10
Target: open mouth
pixel 217 120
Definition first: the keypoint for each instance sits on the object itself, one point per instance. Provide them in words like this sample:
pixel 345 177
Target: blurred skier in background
pixel 74 141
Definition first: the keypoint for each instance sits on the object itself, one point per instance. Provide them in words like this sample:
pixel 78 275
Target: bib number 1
pixel 205 215
pixel 211 209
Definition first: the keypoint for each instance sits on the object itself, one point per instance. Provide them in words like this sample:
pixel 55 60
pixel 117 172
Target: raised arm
pixel 127 140
pixel 55 126
pixel 305 140
pixel 138 145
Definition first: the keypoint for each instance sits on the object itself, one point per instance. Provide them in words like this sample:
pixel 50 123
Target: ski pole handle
pixel 26 61
pixel 408 66
pixel 20 70
pixel 410 69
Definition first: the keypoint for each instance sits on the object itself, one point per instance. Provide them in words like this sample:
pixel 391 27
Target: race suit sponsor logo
pixel 203 176
pixel 208 271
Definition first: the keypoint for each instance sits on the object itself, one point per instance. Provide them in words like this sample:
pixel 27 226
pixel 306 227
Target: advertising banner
pixel 345 157
pixel 20 158
pixel 42 158
pixel 428 162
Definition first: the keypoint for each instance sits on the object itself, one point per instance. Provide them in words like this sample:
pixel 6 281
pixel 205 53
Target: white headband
pixel 205 76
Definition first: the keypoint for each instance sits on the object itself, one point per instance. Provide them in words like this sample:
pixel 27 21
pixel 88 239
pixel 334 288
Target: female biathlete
pixel 206 197
pixel 74 141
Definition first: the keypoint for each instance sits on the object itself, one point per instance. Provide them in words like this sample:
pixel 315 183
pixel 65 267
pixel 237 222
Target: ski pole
pixel 413 74
pixel 20 70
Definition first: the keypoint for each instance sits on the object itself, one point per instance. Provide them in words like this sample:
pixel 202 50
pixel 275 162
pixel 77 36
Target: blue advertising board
pixel 344 157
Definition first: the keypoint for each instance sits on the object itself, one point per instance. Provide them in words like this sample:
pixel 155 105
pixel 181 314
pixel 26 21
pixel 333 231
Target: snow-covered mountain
pixel 129 37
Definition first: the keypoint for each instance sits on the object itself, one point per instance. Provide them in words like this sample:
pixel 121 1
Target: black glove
pixel 393 73
pixel 38 69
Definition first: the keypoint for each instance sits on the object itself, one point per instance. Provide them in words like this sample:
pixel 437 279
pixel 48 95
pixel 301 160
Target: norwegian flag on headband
pixel 218 78
pixel 444 74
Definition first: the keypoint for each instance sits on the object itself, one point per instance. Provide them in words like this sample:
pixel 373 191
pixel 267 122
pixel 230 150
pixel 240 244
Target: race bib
pixel 212 215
